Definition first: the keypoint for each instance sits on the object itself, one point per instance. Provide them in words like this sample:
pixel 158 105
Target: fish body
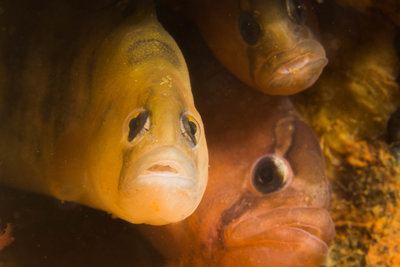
pixel 267 197
pixel 267 44
pixel 98 110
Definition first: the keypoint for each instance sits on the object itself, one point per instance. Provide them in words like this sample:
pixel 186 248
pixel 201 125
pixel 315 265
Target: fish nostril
pixel 270 174
pixel 162 168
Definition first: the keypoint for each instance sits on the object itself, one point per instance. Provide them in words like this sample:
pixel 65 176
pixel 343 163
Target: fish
pixel 270 45
pixel 267 199
pixel 5 238
pixel 97 109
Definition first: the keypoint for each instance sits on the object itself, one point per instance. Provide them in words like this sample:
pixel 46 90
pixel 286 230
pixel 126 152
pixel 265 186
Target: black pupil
pixel 296 10
pixel 193 128
pixel 267 176
pixel 190 128
pixel 249 28
pixel 136 124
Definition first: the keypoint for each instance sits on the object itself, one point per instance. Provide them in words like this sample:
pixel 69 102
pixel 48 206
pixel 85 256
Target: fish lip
pixel 299 63
pixel 180 177
pixel 241 232
pixel 185 184
pixel 305 59
pixel 175 167
pixel 141 174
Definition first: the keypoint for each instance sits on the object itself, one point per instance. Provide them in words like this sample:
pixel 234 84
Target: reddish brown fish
pixel 267 198
pixel 268 44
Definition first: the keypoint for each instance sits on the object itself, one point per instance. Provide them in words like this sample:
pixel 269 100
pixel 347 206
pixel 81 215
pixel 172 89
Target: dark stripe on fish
pixel 126 160
pixel 252 54
pixel 241 206
pixel 143 50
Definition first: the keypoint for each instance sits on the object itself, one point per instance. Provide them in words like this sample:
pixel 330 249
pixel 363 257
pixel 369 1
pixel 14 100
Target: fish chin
pixel 280 237
pixel 158 202
pixel 161 187
pixel 306 251
pixel 292 71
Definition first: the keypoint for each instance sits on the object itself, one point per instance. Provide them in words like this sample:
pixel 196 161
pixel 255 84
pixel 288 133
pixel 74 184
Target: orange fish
pixel 268 44
pixel 267 197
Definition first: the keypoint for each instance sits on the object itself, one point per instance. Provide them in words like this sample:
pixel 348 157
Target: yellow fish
pixel 96 108
pixel 267 44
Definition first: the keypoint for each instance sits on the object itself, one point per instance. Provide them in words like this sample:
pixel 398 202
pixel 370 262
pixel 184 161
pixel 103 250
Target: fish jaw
pixel 291 71
pixel 280 237
pixel 162 187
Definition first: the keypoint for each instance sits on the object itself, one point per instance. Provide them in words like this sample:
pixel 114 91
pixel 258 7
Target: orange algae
pixel 365 208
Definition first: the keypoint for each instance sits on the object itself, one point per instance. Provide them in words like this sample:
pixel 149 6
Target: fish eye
pixel 190 129
pixel 295 10
pixel 249 28
pixel 139 124
pixel 270 174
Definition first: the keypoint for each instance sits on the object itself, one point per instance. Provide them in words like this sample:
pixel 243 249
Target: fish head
pixel 268 193
pixel 267 197
pixel 286 58
pixel 270 45
pixel 149 159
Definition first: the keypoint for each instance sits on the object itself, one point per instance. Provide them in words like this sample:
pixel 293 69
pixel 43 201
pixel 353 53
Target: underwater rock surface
pixel 349 107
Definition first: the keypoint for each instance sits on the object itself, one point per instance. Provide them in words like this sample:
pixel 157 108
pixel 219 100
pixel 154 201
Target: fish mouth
pixel 293 70
pixel 166 166
pixel 290 226
pixel 167 173
pixel 161 187
pixel 297 64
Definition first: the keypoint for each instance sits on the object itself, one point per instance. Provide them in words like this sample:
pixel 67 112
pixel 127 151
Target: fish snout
pixel 292 70
pixel 162 186
pixel 165 165
pixel 284 236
